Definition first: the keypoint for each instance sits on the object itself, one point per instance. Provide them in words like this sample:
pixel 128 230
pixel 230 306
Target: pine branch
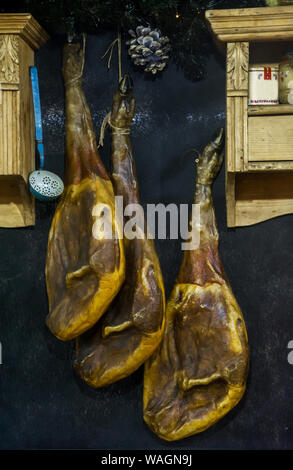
pixel 188 33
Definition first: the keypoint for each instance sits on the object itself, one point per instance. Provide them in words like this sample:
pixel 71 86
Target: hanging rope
pixel 107 119
pixel 115 130
pixel 119 56
pixel 110 52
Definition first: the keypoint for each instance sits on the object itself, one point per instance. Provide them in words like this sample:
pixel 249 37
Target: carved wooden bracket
pixel 9 61
pixel 237 66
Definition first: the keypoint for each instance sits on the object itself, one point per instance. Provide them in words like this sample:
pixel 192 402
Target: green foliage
pixel 188 33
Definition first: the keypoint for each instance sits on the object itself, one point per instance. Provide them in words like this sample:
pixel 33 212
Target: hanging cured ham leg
pixel 84 269
pixel 132 328
pixel 199 371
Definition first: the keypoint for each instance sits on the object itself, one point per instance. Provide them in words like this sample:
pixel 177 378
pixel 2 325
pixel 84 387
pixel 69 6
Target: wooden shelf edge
pixel 17 205
pixel 253 212
pixel 251 24
pixel 25 25
pixel 267 167
pixel 263 110
pixel 255 198
pixel 247 13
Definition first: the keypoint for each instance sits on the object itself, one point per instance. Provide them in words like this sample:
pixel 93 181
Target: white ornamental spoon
pixel 44 185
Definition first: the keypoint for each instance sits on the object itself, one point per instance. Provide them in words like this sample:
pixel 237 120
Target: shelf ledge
pixel 251 24
pixel 263 110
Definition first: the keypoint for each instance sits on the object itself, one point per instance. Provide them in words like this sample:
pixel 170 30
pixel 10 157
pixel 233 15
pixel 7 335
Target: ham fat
pixel 199 371
pixel 132 327
pixel 84 272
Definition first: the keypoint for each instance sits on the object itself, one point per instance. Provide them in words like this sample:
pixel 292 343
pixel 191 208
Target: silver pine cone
pixel 149 49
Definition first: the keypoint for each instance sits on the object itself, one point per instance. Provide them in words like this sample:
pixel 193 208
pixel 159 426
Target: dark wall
pixel 42 403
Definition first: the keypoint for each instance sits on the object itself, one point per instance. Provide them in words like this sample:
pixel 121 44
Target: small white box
pixel 263 84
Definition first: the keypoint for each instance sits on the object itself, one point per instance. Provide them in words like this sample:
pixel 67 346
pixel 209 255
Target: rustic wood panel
pixel 239 132
pixel 230 142
pixel 16 203
pixel 270 138
pixel 236 133
pixel 252 212
pixel 274 185
pixel 262 196
pixel 9 123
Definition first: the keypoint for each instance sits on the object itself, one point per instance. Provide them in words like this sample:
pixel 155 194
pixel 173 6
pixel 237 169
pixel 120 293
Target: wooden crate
pixel 20 36
pixel 259 139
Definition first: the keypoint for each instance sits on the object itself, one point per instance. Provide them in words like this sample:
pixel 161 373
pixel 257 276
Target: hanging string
pixel 119 56
pixel 110 52
pixel 115 130
pixel 107 119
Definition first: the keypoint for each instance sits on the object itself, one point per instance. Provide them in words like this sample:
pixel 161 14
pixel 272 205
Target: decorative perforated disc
pixel 45 185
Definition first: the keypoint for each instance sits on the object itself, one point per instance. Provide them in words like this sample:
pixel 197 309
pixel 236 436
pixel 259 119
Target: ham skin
pixel 84 272
pixel 132 328
pixel 198 373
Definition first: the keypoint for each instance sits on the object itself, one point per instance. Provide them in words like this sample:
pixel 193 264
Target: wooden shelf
pixel 263 110
pixel 259 139
pixel 262 196
pixel 20 36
